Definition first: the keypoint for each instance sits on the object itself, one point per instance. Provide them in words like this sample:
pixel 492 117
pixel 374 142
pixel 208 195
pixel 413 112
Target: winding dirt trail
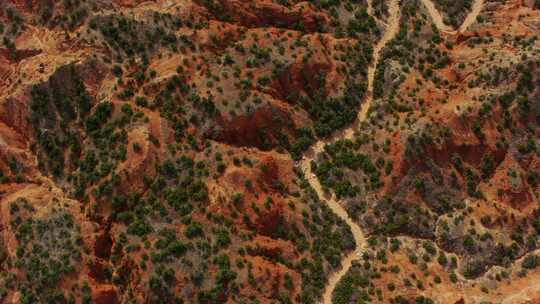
pixel 391 30
pixel 437 18
pixel 471 17
pixel 439 21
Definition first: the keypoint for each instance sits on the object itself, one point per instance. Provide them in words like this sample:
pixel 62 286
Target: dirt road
pixel 391 30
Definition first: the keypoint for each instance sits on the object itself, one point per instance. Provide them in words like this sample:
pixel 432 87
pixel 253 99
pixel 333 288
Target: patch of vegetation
pixel 48 250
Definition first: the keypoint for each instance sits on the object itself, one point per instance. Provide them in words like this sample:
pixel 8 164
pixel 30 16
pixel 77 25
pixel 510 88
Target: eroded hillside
pixel 269 151
pixel 443 174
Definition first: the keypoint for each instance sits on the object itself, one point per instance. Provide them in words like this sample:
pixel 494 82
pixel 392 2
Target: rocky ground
pixel 188 151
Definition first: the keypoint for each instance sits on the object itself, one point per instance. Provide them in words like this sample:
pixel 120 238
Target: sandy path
pixel 471 17
pixel 370 8
pixel 332 202
pixel 439 21
pixel 437 18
